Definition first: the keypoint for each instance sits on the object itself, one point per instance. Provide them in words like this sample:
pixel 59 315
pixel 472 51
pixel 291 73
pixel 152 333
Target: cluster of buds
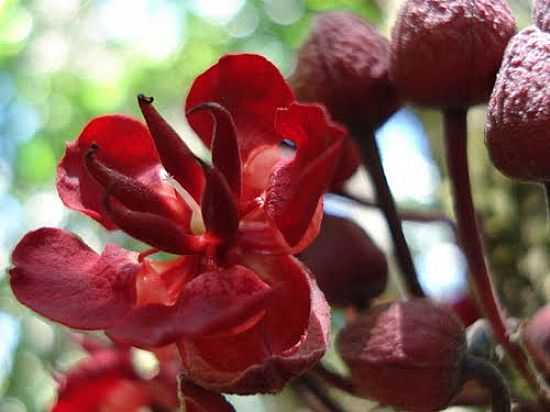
pixel 239 312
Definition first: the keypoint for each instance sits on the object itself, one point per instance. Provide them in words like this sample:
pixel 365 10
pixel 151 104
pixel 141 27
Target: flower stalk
pixel 384 197
pixel 455 126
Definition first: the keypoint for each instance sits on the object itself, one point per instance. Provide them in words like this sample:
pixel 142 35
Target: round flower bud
pixel 518 120
pixel 446 53
pixel 541 14
pixel 348 266
pixel 536 337
pixel 344 65
pixel 406 354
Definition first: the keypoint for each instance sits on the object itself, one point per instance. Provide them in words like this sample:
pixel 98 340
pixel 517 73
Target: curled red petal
pixel 319 146
pixel 211 303
pixel 258 233
pixel 219 210
pixel 225 146
pixel 251 88
pixel 155 230
pixel 135 194
pixel 176 157
pixel 197 399
pixel 58 276
pixel 291 337
pixel 126 146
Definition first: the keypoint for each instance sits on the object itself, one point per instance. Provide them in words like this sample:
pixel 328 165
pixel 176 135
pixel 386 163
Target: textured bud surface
pixel 344 65
pixel 536 336
pixel 518 121
pixel 406 354
pixel 541 14
pixel 349 267
pixel 447 53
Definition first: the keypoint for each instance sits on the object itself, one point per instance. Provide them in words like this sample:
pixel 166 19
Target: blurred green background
pixel 64 61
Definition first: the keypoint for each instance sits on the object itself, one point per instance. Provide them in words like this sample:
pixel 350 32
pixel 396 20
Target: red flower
pixel 234 299
pixel 107 380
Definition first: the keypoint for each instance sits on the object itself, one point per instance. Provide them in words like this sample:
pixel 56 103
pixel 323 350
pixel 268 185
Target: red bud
pixel 350 269
pixel 536 336
pixel 518 121
pixel 447 53
pixel 344 65
pixel 406 354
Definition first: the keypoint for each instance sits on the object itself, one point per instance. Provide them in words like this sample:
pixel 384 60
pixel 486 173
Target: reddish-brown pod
pixel 349 267
pixel 406 354
pixel 446 53
pixel 536 338
pixel 541 14
pixel 344 65
pixel 518 120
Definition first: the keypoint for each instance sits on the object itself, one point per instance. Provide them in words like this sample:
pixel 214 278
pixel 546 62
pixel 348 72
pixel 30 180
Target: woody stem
pixel 334 379
pixel 491 378
pixel 470 239
pixel 384 198
pixel 315 395
pixel 407 215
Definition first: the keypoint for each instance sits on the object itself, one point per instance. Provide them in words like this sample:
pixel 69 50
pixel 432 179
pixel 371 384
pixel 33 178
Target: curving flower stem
pixel 334 379
pixel 468 232
pixel 313 394
pixel 384 197
pixel 407 215
pixel 490 377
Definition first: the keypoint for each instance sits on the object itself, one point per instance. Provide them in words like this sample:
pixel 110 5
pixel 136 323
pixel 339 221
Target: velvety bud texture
pixel 541 14
pixel 344 65
pixel 359 272
pixel 446 53
pixel 406 354
pixel 536 338
pixel 518 120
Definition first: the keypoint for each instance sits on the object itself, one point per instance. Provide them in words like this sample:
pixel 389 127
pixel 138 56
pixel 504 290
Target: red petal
pixel 251 88
pixel 257 169
pixel 58 276
pixel 126 146
pixel 259 360
pixel 259 234
pixel 155 230
pixel 210 303
pixel 219 211
pixel 318 151
pixel 197 399
pixel 176 157
pixel 225 147
pixel 102 381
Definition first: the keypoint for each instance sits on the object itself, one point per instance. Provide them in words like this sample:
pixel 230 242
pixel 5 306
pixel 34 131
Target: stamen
pixel 155 230
pixel 225 145
pixel 131 192
pixel 176 157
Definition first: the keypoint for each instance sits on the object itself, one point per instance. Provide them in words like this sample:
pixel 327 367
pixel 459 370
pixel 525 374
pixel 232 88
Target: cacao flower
pixel 231 297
